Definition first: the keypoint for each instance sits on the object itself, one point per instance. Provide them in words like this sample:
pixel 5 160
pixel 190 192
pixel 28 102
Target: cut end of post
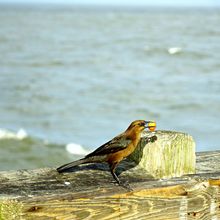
pixel 171 155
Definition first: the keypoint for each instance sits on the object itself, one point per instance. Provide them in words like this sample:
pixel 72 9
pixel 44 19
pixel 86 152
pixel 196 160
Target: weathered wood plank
pixel 89 193
pixel 195 201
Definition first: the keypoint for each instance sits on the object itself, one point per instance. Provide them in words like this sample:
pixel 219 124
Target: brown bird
pixel 114 151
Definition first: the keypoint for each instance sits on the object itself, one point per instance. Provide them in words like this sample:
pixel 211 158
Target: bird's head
pixel 140 125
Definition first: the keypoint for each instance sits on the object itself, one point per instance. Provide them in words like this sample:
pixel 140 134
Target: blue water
pixel 76 75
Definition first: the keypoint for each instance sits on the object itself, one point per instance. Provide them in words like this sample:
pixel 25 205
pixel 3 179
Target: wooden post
pixel 171 155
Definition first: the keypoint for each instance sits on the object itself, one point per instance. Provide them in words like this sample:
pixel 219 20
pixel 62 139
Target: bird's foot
pixel 126 186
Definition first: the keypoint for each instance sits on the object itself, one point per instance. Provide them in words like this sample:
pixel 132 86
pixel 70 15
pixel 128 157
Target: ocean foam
pixel 20 134
pixel 174 50
pixel 76 149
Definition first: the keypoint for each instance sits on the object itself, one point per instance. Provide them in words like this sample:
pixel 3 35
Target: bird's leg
pixel 125 185
pixel 112 169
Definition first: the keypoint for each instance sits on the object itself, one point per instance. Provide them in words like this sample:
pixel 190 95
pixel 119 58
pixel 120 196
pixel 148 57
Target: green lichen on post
pixel 10 209
pixel 171 155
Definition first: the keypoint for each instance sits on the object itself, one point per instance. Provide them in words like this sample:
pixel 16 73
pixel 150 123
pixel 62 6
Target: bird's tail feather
pixel 68 166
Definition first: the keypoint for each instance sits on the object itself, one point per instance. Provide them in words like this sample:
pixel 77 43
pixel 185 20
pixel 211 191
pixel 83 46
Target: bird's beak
pixel 151 125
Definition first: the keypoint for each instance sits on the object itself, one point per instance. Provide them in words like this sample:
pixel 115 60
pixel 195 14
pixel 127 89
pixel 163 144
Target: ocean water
pixel 71 78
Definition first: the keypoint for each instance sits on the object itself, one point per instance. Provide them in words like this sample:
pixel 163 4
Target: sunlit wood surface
pixel 90 193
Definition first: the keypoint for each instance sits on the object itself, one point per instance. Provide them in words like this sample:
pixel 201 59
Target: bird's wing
pixel 116 144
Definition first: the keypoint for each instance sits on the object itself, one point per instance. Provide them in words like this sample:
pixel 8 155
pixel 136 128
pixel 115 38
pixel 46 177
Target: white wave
pixel 76 149
pixel 20 134
pixel 174 50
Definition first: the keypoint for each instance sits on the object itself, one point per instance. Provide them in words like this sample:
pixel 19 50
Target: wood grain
pixel 171 155
pixel 88 192
pixel 201 202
